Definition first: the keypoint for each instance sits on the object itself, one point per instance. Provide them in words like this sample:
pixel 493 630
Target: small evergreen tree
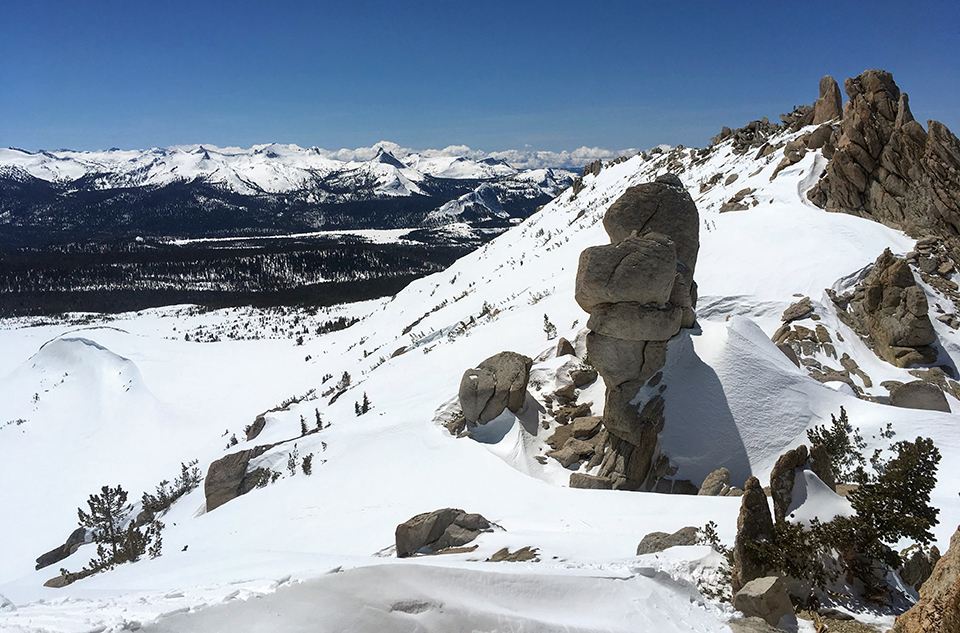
pixel 292 460
pixel 307 464
pixel 549 328
pixel 319 419
pixel 107 513
pixel 303 426
pixel 843 443
pixel 365 405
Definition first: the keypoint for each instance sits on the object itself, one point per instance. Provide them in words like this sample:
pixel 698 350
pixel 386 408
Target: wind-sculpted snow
pixel 733 399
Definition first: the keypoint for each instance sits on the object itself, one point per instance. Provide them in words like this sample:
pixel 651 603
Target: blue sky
pixel 491 75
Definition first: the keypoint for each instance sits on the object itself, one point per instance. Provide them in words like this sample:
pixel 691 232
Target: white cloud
pixel 520 158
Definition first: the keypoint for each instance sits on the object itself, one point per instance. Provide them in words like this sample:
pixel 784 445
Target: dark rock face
pixel 938 610
pixel 659 541
pixel 753 525
pixel 919 394
pixel 438 530
pixel 639 291
pixel 782 478
pixel 74 541
pixel 227 477
pixel 890 310
pixel 886 167
pixel 498 383
pixel 581 480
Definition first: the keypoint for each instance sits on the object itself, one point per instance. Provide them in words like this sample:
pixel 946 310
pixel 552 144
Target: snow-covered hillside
pixel 91 402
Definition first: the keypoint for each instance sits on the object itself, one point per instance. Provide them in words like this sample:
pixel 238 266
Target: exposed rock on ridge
pixel 639 291
pixel 887 167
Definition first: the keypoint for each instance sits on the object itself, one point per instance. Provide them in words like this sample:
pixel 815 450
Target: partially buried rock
pixel 782 478
pixel 565 348
pixel 659 541
pixel 592 482
pixel 715 483
pixel 919 395
pixel 438 530
pixel 498 383
pixel 798 310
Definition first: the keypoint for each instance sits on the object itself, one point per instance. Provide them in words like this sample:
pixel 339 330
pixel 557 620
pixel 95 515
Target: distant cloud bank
pixel 523 159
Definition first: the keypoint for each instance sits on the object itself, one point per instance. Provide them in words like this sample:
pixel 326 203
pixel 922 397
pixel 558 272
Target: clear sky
pixel 493 75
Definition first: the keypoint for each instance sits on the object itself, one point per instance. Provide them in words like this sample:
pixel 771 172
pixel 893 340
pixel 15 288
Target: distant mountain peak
pixel 385 157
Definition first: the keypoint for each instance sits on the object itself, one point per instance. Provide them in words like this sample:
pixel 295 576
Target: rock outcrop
pixel 438 530
pixel 830 104
pixel 227 478
pixel 938 610
pixel 77 538
pixel 498 383
pixel 659 541
pixel 887 168
pixel 782 478
pixel 764 598
pixel 754 525
pixel 716 483
pixel 889 310
pixel 639 291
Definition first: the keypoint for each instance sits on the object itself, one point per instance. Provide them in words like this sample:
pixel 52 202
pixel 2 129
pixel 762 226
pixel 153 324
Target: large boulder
pixel 662 207
pixel 498 383
pixel 659 541
pixel 620 361
pixel 890 309
pixel 764 598
pixel 919 394
pixel 639 270
pixel 438 530
pixel 938 610
pixel 754 525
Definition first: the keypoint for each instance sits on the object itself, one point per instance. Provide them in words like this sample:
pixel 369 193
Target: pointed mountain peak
pixel 385 157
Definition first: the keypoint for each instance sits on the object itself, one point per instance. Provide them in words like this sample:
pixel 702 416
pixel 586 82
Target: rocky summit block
pixel 659 207
pixel 438 530
pixel 498 383
pixel 635 322
pixel 637 269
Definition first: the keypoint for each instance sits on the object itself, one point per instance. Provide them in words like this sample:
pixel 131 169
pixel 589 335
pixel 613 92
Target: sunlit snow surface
pixel 125 400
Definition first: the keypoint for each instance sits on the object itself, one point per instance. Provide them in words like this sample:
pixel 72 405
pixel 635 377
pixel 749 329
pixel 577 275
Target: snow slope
pixel 732 399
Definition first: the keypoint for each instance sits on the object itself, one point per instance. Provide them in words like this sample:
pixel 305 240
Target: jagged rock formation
pixel 888 168
pixel 918 565
pixel 639 291
pixel 438 530
pixel 754 525
pixel 498 383
pixel 889 310
pixel 830 104
pixel 938 610
pixel 716 483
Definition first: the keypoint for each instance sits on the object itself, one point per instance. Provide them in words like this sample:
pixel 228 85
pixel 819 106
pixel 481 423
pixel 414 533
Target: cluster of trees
pixel 891 500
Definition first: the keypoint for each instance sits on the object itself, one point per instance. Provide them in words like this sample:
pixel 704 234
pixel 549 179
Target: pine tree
pixel 319 419
pixel 549 328
pixel 108 512
pixel 366 403
pixel 303 426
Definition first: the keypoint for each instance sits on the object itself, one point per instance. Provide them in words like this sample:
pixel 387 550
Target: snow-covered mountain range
pixel 204 191
pixel 89 400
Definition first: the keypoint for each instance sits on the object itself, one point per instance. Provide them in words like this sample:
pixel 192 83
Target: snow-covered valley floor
pixel 124 400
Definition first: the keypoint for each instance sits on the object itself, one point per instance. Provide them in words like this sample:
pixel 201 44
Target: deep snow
pixel 126 399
